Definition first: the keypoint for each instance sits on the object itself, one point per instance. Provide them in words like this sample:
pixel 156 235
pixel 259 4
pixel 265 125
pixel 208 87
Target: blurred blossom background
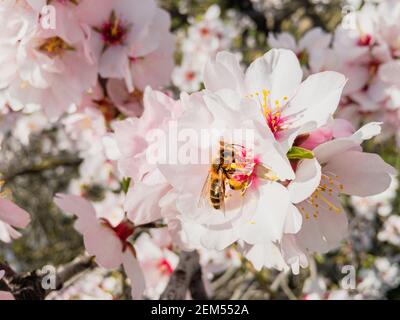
pixel 39 159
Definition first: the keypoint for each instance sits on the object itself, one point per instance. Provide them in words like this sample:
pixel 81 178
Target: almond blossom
pixel 324 219
pixel 155 255
pixel 375 281
pixel 128 37
pixel 109 243
pixel 205 37
pixel 51 67
pixel 128 146
pixel 391 231
pixel 241 217
pixel 285 104
pixel 86 128
pixel 367 53
pixel 29 124
pixel 257 170
pixel 188 76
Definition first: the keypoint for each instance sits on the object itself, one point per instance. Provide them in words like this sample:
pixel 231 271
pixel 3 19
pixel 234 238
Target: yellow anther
pixel 329 204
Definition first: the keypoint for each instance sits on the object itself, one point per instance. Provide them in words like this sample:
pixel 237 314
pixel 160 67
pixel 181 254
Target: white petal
pixel 317 98
pixel 218 239
pixel 102 242
pixel 324 231
pixel 223 73
pixel 278 71
pixel 266 255
pixel 134 273
pixel 292 254
pixel 79 207
pixel 367 131
pixel 13 215
pixel 329 149
pixel 267 224
pixel 142 202
pixel 361 174
pixel 308 177
pixel 294 220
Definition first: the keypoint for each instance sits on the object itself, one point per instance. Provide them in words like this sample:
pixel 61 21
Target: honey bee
pixel 229 163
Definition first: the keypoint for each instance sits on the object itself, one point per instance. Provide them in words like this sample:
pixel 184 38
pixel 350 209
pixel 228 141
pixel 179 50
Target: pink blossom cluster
pixel 273 200
pixel 281 197
pixel 52 54
pixel 365 48
pixel 204 38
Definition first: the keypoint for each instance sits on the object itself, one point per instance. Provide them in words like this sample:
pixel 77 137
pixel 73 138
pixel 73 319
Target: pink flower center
pixel 237 168
pixel 275 122
pixel 123 231
pixel 238 164
pixel 272 111
pixel 165 267
pixel 249 177
pixel 246 170
pixel 113 31
pixel 54 46
pixel 204 31
pixel 190 75
pixel 364 40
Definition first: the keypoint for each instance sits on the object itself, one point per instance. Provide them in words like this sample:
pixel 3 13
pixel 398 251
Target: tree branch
pixel 69 271
pixel 29 286
pixel 181 279
pixel 197 288
pixel 46 164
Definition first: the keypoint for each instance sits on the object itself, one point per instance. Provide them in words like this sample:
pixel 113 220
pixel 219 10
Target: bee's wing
pixel 205 193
